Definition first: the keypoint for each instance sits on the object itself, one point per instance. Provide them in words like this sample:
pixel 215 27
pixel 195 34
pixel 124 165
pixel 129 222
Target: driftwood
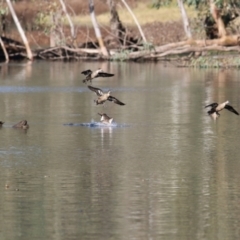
pixel 185 51
pixel 67 53
pixel 14 49
pixel 181 49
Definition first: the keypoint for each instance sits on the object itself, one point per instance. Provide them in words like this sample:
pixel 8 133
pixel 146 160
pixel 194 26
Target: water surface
pixel 167 172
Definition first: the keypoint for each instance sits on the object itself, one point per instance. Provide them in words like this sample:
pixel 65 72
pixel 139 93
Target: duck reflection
pixel 106 135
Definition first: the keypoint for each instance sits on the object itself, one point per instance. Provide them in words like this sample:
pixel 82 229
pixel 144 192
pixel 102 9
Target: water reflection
pixel 166 171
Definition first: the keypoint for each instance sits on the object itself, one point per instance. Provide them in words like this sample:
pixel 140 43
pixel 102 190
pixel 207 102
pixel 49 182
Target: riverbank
pixel 160 26
pixel 165 39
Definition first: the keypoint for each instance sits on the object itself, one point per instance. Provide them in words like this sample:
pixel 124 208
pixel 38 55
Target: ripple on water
pixel 96 125
pixel 18 156
pixel 20 89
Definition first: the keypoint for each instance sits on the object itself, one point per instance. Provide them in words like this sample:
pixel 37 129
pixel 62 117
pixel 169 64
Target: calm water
pixel 167 172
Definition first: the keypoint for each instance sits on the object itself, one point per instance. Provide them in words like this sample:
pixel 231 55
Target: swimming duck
pixel 105 118
pixel 1 123
pixel 90 75
pixel 216 108
pixel 22 124
pixel 103 97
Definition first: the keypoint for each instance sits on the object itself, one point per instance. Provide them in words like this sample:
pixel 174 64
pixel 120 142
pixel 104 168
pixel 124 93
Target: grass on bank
pixel 143 12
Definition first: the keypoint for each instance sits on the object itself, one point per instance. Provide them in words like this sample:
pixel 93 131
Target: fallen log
pixel 67 53
pixel 13 48
pixel 186 51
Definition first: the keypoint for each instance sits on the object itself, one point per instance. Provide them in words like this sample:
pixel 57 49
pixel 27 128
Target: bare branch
pixel 20 30
pixel 68 18
pixel 186 24
pixel 96 28
pixel 4 50
pixel 136 21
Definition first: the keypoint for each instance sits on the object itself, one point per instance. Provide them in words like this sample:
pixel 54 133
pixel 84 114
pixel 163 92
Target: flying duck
pixel 105 118
pixel 22 124
pixel 103 97
pixel 90 75
pixel 216 108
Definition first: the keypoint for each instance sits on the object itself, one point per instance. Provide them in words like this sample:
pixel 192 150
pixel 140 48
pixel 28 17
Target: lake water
pixel 165 171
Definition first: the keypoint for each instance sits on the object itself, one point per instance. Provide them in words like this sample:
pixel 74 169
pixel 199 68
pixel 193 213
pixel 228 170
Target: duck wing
pixel 115 100
pixel 211 111
pixel 231 109
pixel 213 105
pixel 87 72
pixel 98 91
pixel 104 74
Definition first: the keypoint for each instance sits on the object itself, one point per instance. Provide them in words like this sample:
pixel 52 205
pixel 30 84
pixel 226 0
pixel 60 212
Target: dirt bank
pixel 156 32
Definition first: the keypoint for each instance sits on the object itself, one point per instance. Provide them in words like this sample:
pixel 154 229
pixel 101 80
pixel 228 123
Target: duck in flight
pixel 90 75
pixel 103 97
pixel 216 108
pixel 105 118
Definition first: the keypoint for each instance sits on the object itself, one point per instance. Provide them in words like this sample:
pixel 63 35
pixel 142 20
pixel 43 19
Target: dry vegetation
pixel 160 26
pixel 163 28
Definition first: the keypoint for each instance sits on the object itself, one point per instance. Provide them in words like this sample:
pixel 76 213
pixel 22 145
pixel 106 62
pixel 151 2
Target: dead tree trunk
pixel 20 30
pixel 56 34
pixel 117 28
pixel 73 34
pixel 186 24
pixel 4 50
pixel 217 18
pixel 97 30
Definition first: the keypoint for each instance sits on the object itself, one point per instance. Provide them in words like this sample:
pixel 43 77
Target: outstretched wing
pixel 113 99
pixel 104 74
pixel 213 105
pixel 98 91
pixel 231 109
pixel 86 72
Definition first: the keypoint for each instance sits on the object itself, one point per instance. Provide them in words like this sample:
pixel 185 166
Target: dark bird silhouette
pixel 22 124
pixel 105 118
pixel 103 97
pixel 90 75
pixel 216 108
pixel 1 123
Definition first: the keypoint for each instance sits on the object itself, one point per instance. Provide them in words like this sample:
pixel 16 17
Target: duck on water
pixel 105 118
pixel 22 124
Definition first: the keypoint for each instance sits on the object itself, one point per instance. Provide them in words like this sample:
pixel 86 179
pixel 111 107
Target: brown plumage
pixel 103 97
pixel 90 75
pixel 22 124
pixel 105 118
